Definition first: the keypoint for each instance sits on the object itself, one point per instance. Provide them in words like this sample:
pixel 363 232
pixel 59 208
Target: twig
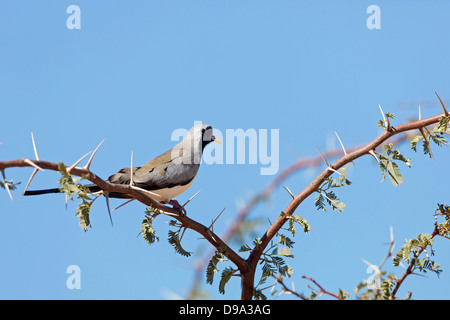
pixel 322 290
pixel 288 290
pixel 410 269
pixel 142 196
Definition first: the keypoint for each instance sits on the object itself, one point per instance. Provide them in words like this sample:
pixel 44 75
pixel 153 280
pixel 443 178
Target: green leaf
pixel 387 165
pixel 175 242
pixel 245 248
pixel 343 294
pixel 380 123
pixel 319 202
pixel 297 219
pixel 257 242
pixel 212 266
pixel 414 141
pixel 285 241
pixel 387 286
pixel 148 232
pixel 442 126
pixel 226 276
pixel 394 173
pixel 82 213
pixel 284 252
pixel 67 186
pixel 258 294
pixel 334 201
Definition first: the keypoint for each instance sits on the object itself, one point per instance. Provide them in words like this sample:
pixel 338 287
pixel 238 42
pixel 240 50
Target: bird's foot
pixel 177 206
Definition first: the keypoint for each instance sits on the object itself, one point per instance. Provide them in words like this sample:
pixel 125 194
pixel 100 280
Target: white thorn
pixel 374 155
pixel 420 113
pixel 289 191
pixel 29 180
pixel 92 156
pixel 382 113
pixel 131 171
pixel 191 198
pixel 149 193
pixel 123 204
pixel 216 219
pixel 6 184
pixel 76 163
pixel 331 169
pixel 31 163
pixel 169 213
pixel 323 158
pixel 106 193
pixel 34 147
pixel 342 145
pixel 442 104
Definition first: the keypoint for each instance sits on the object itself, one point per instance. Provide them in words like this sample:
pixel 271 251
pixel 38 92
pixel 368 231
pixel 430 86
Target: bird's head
pixel 201 134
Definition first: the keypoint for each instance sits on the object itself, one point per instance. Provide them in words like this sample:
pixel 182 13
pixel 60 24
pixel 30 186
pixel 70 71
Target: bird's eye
pixel 203 130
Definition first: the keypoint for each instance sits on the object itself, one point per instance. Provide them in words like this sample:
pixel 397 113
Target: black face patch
pixel 206 136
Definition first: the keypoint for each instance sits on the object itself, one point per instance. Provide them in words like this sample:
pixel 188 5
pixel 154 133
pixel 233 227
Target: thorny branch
pixel 248 279
pixel 138 194
pixel 296 166
pixel 246 267
pixel 411 265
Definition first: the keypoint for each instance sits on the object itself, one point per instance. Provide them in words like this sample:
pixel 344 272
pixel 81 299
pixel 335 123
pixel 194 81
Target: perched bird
pixel 166 176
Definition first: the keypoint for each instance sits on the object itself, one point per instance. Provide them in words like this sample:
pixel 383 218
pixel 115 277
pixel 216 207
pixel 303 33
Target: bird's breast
pixel 166 194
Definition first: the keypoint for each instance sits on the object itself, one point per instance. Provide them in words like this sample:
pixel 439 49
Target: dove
pixel 166 176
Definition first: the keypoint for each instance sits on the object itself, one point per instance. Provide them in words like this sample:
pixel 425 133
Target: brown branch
pixel 248 279
pixel 411 265
pixel 287 172
pixel 322 290
pixel 289 291
pixel 142 196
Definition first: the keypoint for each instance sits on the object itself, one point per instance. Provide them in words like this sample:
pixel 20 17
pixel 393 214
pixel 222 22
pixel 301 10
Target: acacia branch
pixel 142 196
pixel 287 172
pixel 412 264
pixel 322 290
pixel 248 279
pixel 246 267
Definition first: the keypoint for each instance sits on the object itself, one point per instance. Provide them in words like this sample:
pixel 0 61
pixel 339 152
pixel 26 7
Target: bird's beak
pixel 215 139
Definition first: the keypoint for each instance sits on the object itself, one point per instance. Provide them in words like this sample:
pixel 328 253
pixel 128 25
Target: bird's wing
pixel 164 171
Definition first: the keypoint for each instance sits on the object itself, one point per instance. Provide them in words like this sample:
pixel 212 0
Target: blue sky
pixel 138 70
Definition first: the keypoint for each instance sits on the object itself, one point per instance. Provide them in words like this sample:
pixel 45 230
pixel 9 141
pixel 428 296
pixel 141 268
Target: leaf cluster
pixel 412 250
pixel 389 166
pixel 273 262
pixel 11 184
pixel 212 269
pixel 175 239
pixel 148 232
pixel 382 123
pixel 296 219
pixel 67 185
pixel 326 194
pixel 147 229
pixel 436 135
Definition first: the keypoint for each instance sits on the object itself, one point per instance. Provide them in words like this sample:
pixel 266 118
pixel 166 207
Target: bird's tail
pixel 91 187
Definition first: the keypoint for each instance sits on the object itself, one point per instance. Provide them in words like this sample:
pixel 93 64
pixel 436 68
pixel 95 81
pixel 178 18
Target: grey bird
pixel 166 176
